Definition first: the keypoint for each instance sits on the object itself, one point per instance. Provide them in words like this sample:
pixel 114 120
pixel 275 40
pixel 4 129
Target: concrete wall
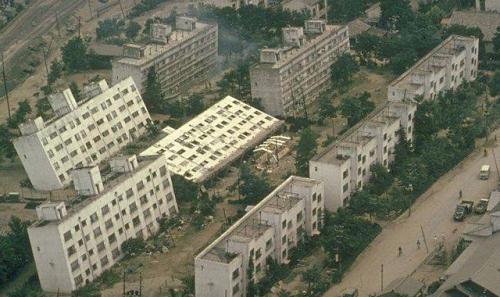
pixel 266 85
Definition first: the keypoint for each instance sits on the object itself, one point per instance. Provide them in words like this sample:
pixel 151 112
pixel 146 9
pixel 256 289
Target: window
pixel 115 253
pixel 100 247
pixel 108 224
pixel 283 239
pixel 236 289
pixel 269 244
pixel 170 197
pixel 97 232
pixel 133 207
pixel 258 254
pixel 166 183
pixel 143 199
pixel 147 213
pixel 236 273
pixel 104 261
pixel 67 236
pixel 77 228
pixel 283 224
pixel 140 185
pixel 111 238
pixel 136 221
pixel 299 217
pixel 75 265
pixel 129 193
pixel 345 174
pixel 345 188
pixel 105 210
pixel 93 217
pixel 71 250
pixel 163 171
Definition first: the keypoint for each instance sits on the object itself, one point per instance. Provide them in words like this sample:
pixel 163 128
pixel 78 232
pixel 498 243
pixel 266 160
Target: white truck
pixel 484 174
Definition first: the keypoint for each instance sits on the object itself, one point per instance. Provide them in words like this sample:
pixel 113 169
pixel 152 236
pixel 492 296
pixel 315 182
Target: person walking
pixel 460 193
pixel 400 251
pixel 418 244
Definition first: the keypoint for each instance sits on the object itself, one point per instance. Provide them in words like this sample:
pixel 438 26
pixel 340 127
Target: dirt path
pixel 433 211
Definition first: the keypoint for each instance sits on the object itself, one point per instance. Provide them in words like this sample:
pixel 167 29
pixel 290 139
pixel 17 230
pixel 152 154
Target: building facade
pixel 344 167
pixel 290 78
pixel 179 56
pixel 80 134
pixel 454 61
pixel 268 231
pixel 216 137
pixel 73 246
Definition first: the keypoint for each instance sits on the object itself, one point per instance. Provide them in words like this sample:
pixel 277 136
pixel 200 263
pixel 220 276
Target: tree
pixel 343 69
pixel 23 109
pixel 77 93
pixel 56 69
pixel 311 276
pixel 494 84
pixel 195 104
pixel 253 187
pixel 380 179
pixel 184 189
pixel 74 54
pixel 251 288
pixel 354 109
pixel 343 11
pixel 133 30
pixel 326 108
pixel 133 246
pixel 367 45
pixel 6 147
pixel 402 61
pixel 364 202
pixel 496 41
pixel 402 151
pixel 109 28
pixel 153 95
pixel 306 149
pixel 395 14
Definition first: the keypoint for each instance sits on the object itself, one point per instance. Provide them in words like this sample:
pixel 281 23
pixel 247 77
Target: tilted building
pixel 488 5
pixel 80 134
pixel 73 244
pixel 344 166
pixel 269 230
pixel 290 78
pixel 454 61
pixel 179 56
pixel 216 137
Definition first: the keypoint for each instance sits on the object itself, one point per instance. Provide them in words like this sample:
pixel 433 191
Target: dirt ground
pixel 8 209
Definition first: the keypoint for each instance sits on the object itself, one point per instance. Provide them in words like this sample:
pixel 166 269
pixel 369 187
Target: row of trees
pixel 115 28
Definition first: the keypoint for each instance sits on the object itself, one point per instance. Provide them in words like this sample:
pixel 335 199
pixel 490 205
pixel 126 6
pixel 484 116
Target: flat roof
pixel 291 53
pixel 110 180
pixel 154 50
pixel 443 50
pixel 354 136
pixel 250 226
pixel 214 138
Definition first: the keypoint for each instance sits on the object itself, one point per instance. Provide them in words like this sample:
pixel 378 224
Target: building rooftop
pixel 444 50
pixel 152 51
pixel 353 137
pixel 250 226
pixel 214 138
pixel 290 53
pixel 110 180
pixel 488 22
pixel 478 267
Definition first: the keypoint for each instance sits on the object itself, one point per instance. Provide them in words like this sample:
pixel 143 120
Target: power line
pixel 5 86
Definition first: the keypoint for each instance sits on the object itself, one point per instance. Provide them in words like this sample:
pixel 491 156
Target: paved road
pixel 433 211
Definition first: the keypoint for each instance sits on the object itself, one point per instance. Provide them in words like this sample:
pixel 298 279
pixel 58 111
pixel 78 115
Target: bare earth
pixel 433 211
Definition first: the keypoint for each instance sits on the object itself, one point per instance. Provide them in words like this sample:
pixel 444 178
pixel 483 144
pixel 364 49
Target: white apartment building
pixel 289 78
pixel 269 230
pixel 80 134
pixel 73 244
pixel 216 137
pixel 179 56
pixel 455 60
pixel 344 167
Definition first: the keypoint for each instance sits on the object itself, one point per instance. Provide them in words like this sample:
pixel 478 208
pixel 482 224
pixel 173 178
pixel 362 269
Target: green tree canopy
pixel 354 109
pixel 110 28
pixel 395 14
pixel 306 149
pixel 153 95
pixel 132 30
pixel 253 187
pixel 74 54
pixel 343 70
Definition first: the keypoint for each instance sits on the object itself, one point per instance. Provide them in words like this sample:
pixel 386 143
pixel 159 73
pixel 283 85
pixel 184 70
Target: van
pixel 485 172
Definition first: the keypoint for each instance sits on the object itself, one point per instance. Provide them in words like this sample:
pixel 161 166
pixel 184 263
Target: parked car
pixel 464 208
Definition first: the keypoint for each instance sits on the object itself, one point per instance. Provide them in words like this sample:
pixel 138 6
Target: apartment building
pixel 216 137
pixel 454 61
pixel 179 56
pixel 344 167
pixel 269 230
pixel 314 8
pixel 80 134
pixel 289 78
pixel 73 244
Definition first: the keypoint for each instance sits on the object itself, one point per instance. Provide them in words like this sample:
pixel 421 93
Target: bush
pixel 133 246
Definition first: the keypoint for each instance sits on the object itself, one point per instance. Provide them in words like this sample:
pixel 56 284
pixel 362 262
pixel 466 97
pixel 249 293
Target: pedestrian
pixel 485 152
pixel 400 251
pixel 460 193
pixel 418 244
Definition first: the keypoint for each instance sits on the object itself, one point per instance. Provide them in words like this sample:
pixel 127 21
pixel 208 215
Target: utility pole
pixel 326 11
pixel 121 7
pixel 90 8
pixel 140 284
pixel 5 86
pixel 58 24
pixel 425 241
pixel 381 277
pixel 124 273
pixel 79 26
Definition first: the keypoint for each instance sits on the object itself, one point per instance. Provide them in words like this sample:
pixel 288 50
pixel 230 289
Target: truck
pixel 464 208
pixel 481 207
pixel 484 174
